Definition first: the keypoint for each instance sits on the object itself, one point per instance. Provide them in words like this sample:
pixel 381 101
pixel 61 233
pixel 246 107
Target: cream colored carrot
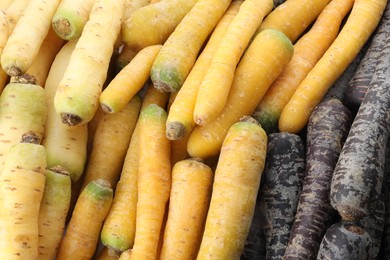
pixel 235 188
pixel 266 57
pixel 361 23
pixel 110 143
pixel 65 146
pixel 70 18
pixel 22 48
pixel 293 17
pixel 307 51
pixel 82 233
pixel 154 182
pixel 22 182
pixel 180 121
pixel 215 87
pixel 4 30
pixel 77 96
pixel 188 206
pixel 52 212
pixel 129 80
pixel 14 12
pixel 5 4
pixel 184 44
pixel 158 20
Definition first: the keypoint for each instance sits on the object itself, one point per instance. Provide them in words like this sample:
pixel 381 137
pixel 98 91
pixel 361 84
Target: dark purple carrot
pixel 358 176
pixel 358 85
pixel 346 241
pixel 326 131
pixel 283 175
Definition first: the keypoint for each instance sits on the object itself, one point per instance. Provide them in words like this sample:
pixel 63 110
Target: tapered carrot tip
pixel 13 72
pixel 62 27
pixel 200 120
pixel 106 108
pixel 24 79
pixel 175 130
pixel 249 119
pixel 70 119
pixel 30 137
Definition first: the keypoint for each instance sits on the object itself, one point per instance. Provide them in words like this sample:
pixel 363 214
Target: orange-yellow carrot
pixel 154 182
pixel 82 233
pixel 22 183
pixel 180 121
pixel 181 49
pixel 265 59
pixel 22 48
pixel 158 20
pixel 14 12
pixel 293 17
pixel 110 143
pixel 129 80
pixel 119 228
pixel 235 188
pixel 214 89
pixel 188 206
pixel 307 51
pixel 361 23
pixel 179 149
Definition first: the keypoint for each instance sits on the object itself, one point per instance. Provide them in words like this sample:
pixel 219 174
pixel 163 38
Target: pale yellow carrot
pixel 361 23
pixel 133 5
pixel 215 87
pixel 180 121
pixel 14 12
pixel 4 30
pixel 4 4
pixel 129 80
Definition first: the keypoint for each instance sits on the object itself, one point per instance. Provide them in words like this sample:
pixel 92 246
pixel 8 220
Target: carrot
pixel 180 121
pixel 235 188
pixel 358 177
pixel 14 12
pixel 82 233
pixel 129 80
pixel 154 182
pixel 179 149
pixel 65 146
pixel 266 57
pixel 5 4
pixel 362 21
pixel 22 47
pixel 159 20
pixel 52 212
pixel 131 6
pixel 22 115
pixel 188 205
pixel 293 17
pixel 307 51
pixel 345 240
pixel 4 31
pixel 124 58
pixel 185 43
pixel 283 175
pixel 22 183
pixel 327 129
pixel 215 87
pixel 77 96
pixel 40 67
pixel 70 18
pixel 119 227
pixel 110 143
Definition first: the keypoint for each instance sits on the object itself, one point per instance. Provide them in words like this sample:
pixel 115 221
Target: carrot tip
pixel 106 108
pixel 164 87
pixel 249 119
pixel 175 130
pixel 70 119
pixel 30 137
pixel 349 213
pixel 24 79
pixel 13 72
pixel 62 27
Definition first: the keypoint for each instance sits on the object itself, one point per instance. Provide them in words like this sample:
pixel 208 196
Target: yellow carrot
pixel 180 121
pixel 70 18
pixel 266 57
pixel 41 65
pixel 154 1
pixel 307 51
pixel 77 96
pixel 52 212
pixel 188 205
pixel 293 17
pixel 184 44
pixel 14 12
pixel 158 20
pixel 214 89
pixel 119 228
pixel 5 4
pixel 179 149
pixel 22 183
pixel 110 143
pixel 129 80
pixel 22 48
pixel 235 188
pixel 361 23
pixel 4 30
pixel 82 233
pixel 65 146
pixel 154 181
pixel 131 6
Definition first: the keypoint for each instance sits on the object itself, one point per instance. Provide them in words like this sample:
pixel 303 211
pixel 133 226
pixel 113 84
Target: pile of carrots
pixel 197 129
